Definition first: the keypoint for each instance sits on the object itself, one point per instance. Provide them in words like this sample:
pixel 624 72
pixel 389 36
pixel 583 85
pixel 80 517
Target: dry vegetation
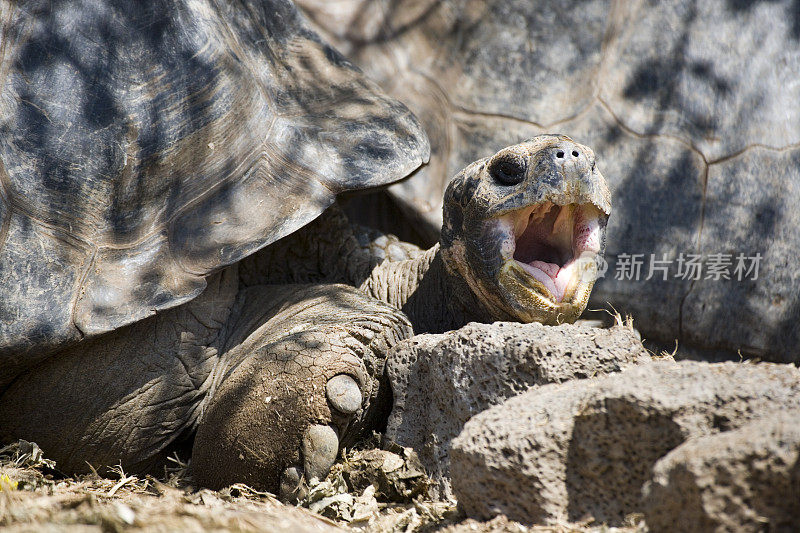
pixel 35 497
pixel 371 490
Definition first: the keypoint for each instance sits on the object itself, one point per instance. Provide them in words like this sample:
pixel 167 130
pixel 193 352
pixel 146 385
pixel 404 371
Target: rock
pixel 585 448
pixel 498 524
pixel 743 480
pixel 440 381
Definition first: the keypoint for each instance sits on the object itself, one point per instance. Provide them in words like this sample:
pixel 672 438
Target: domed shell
pixel 144 146
pixel 700 147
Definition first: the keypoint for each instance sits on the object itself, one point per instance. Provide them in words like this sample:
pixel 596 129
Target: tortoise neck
pixel 433 299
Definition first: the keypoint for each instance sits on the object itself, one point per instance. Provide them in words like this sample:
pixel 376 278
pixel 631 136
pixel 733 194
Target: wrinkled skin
pixel 280 361
pixel 542 203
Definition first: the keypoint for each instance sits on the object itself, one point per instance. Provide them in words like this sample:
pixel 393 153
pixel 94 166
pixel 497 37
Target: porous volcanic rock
pixel 440 381
pixel 585 448
pixel 740 480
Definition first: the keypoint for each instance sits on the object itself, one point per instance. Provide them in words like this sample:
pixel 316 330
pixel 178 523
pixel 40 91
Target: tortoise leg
pixel 295 386
pixel 126 397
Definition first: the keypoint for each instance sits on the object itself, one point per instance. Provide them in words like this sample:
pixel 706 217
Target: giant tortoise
pixel 693 104
pixel 166 279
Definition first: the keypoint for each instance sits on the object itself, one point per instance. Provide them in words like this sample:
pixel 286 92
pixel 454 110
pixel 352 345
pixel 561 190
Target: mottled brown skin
pixel 243 369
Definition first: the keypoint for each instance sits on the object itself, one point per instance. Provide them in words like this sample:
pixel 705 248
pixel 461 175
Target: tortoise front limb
pixel 300 386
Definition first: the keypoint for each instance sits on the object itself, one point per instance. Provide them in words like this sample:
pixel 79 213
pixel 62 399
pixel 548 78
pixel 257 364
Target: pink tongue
pixel 548 268
pixel 553 277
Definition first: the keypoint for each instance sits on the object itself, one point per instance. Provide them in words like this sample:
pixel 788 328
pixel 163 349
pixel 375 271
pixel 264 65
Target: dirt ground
pixel 370 490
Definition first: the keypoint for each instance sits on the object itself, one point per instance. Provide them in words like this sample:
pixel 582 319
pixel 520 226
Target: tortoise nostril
pixel 575 153
pixel 560 154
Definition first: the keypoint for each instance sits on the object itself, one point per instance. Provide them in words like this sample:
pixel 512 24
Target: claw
pixel 344 393
pixel 291 484
pixel 320 447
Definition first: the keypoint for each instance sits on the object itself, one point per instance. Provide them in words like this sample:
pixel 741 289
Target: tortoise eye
pixel 508 169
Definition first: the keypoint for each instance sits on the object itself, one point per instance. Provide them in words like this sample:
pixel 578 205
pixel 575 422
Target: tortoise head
pixel 525 229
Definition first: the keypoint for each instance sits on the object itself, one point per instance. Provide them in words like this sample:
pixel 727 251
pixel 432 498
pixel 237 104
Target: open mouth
pixel 552 242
